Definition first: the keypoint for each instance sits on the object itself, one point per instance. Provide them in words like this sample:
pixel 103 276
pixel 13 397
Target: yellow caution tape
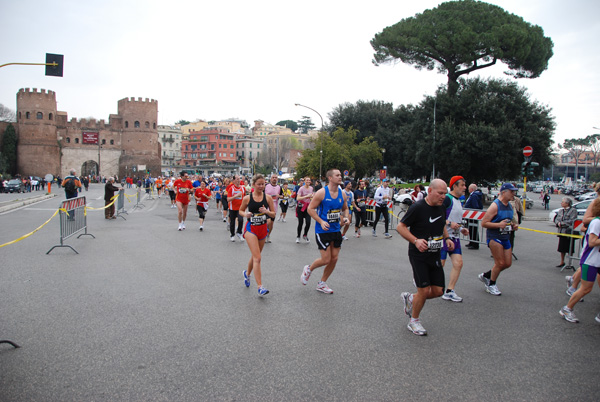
pixel 30 233
pixel 553 233
pixel 114 198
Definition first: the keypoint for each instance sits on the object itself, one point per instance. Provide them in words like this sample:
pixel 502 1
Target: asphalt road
pixel 145 312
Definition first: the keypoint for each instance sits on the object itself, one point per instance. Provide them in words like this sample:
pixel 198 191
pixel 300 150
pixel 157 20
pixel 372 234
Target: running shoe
pixel 569 280
pixel 268 239
pixel 374 233
pixel 297 240
pixel 305 274
pixel 283 220
pixel 344 238
pixel 493 290
pixel 597 318
pixel 201 228
pixel 239 235
pixel 183 225
pixel 246 279
pixel 356 234
pixel 262 291
pixel 279 219
pixel 452 296
pixel 224 219
pixel 568 314
pixel 232 238
pixel 322 287
pixel 485 280
pixel 387 235
pixel 180 228
pixel 306 239
pixel 416 328
pixel 570 291
pixel 407 303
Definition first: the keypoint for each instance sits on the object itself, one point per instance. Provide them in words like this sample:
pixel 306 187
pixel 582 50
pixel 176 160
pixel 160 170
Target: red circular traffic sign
pixel 527 151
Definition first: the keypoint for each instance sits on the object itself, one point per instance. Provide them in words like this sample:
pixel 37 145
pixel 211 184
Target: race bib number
pixel 182 190
pixel 435 245
pixel 506 230
pixel 259 219
pixel 333 216
pixel 361 204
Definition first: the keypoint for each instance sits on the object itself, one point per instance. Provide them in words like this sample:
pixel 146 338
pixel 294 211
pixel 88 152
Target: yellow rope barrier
pixel 30 233
pixel 553 233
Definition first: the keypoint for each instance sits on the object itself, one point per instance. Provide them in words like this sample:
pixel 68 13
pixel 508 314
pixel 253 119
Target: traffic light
pixel 530 167
pixel 524 169
pixel 55 70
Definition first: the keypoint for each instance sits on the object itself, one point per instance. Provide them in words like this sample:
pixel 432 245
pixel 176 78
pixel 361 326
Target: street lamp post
pixel 321 140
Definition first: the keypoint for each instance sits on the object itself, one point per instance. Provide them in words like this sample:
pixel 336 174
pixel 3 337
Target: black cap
pixel 57 70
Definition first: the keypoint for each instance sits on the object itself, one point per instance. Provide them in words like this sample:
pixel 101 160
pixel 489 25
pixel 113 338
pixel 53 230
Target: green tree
pixel 459 37
pixel 305 125
pixel 9 149
pixel 291 124
pixel 480 132
pixel 378 120
pixel 182 122
pixel 340 152
pixel 594 148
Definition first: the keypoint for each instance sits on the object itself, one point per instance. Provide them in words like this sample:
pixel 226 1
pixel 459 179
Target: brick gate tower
pixel 38 151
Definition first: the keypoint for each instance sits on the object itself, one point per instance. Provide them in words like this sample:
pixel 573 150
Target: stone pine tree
pixel 459 37
pixel 305 124
pixel 9 150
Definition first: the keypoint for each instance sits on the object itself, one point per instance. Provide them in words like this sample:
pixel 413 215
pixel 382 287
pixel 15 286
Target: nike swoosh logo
pixel 433 220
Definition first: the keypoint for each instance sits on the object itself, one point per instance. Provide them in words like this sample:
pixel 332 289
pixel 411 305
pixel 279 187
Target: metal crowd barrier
pixel 73 220
pixel 138 202
pixel 121 204
pixel 575 243
pixel 472 222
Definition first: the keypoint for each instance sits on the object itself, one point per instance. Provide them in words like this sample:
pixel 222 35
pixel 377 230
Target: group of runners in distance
pixel 432 225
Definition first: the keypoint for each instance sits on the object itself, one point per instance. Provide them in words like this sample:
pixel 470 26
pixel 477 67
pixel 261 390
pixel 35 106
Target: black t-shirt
pixel 426 222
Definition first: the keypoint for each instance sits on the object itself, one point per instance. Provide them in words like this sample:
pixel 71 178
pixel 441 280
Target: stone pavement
pixel 145 312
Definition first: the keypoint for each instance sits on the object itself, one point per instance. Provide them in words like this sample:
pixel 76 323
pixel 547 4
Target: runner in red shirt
pixel 184 189
pixel 235 194
pixel 202 195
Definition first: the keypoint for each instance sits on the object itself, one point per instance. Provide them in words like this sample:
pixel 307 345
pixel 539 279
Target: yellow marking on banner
pixel 30 233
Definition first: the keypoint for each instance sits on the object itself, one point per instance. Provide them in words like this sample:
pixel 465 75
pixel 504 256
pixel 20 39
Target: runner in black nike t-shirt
pixel 427 222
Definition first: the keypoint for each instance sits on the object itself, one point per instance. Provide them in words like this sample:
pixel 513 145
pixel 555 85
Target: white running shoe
pixel 344 238
pixel 268 239
pixel 305 274
pixel 305 237
pixel 416 328
pixel 297 240
pixel 322 287
pixel 452 296
pixel 183 225
pixel 283 220
pixel 407 303
pixel 387 235
pixel 493 290
pixel 201 228
pixel 485 280
pixel 232 238
pixel 180 228
pixel 568 314
pixel 239 235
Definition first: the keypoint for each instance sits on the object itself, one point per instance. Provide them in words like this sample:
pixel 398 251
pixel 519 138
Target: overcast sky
pixel 255 59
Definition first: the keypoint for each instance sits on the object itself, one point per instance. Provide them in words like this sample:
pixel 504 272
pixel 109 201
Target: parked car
pixel 587 196
pixel 528 202
pixel 14 186
pixel 580 206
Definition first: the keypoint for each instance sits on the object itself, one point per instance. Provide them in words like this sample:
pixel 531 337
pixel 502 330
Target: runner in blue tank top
pixel 327 207
pixel 499 222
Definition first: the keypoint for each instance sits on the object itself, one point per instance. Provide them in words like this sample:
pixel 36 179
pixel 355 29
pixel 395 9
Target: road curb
pixel 28 201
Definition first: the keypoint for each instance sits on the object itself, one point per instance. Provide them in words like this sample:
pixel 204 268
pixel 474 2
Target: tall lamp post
pixel 321 140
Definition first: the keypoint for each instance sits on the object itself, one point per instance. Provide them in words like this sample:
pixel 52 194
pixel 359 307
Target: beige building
pixel 170 139
pixel 247 151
